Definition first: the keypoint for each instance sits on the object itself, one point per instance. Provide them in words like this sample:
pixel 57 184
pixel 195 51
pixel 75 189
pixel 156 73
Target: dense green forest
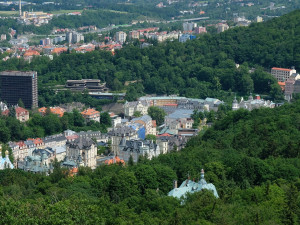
pixel 251 157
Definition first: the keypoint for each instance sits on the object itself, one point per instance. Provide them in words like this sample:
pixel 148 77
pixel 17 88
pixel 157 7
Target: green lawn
pixel 9 13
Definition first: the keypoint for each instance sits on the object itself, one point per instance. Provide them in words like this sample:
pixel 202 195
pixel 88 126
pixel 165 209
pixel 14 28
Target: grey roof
pixel 181 113
pixel 54 138
pixel 81 143
pixel 145 118
pixel 60 149
pixel 124 130
pixel 137 145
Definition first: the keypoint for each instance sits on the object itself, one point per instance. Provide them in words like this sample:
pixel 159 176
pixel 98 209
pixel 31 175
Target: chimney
pixel 174 184
pixel 20 9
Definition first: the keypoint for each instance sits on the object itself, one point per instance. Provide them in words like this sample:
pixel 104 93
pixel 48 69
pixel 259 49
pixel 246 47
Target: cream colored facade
pixel 86 148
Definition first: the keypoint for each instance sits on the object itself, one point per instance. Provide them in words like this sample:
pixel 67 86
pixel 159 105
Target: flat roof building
pixel 282 74
pixel 17 85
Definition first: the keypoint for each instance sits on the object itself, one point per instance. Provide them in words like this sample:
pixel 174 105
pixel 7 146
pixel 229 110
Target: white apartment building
pixel 189 26
pixel 121 36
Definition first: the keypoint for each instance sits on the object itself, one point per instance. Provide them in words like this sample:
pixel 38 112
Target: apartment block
pixel 17 85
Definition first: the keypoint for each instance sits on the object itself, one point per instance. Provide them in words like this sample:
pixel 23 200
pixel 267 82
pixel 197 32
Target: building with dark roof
pixel 86 148
pixel 137 148
pixel 17 85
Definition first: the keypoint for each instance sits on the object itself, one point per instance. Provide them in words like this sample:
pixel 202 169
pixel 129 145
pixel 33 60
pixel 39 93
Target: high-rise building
pixel 134 34
pixel 121 36
pixel 189 26
pixel 221 27
pixel 69 37
pixel 17 85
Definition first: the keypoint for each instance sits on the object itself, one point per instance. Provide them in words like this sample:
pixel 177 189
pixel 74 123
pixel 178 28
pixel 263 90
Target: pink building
pixel 200 30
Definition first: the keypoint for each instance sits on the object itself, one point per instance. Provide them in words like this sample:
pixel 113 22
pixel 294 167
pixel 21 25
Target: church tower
pixel 235 104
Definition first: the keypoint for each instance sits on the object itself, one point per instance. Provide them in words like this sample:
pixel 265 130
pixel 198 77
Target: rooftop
pixel 282 69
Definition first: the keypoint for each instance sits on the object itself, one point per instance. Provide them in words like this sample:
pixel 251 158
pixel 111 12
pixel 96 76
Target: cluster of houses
pixel 170 104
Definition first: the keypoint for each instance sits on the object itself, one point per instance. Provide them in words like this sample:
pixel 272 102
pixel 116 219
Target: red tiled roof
pixel 164 135
pixel 89 112
pixel 282 69
pixel 36 141
pixel 31 53
pixel 5 112
pixel 114 160
pixel 20 110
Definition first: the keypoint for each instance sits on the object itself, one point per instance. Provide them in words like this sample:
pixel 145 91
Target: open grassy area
pixel 9 13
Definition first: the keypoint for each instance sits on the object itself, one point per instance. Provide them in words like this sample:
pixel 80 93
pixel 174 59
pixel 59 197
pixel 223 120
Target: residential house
pixel 91 115
pixel 21 114
pixel 55 110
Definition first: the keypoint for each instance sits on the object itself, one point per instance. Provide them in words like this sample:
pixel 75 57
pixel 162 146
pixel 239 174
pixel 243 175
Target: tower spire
pixel 20 9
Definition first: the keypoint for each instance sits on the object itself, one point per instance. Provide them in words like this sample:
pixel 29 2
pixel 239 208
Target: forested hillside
pixel 251 157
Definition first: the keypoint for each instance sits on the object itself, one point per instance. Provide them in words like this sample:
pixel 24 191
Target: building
pixel 36 164
pixel 69 37
pixel 76 37
pixel 121 36
pixel 251 103
pixel 221 27
pixel 258 19
pixel 21 114
pixel 185 37
pixel 91 114
pixel 291 87
pixel 138 106
pixel 189 186
pixel 116 135
pixel 90 84
pixel 137 148
pixel 3 106
pixel 3 37
pixel 17 85
pixel 55 110
pixel 169 142
pixel 5 162
pixel 84 148
pixel 282 74
pixel 134 34
pixel 200 30
pixel 46 41
pixel 146 121
pixel 189 26
pixel 115 120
